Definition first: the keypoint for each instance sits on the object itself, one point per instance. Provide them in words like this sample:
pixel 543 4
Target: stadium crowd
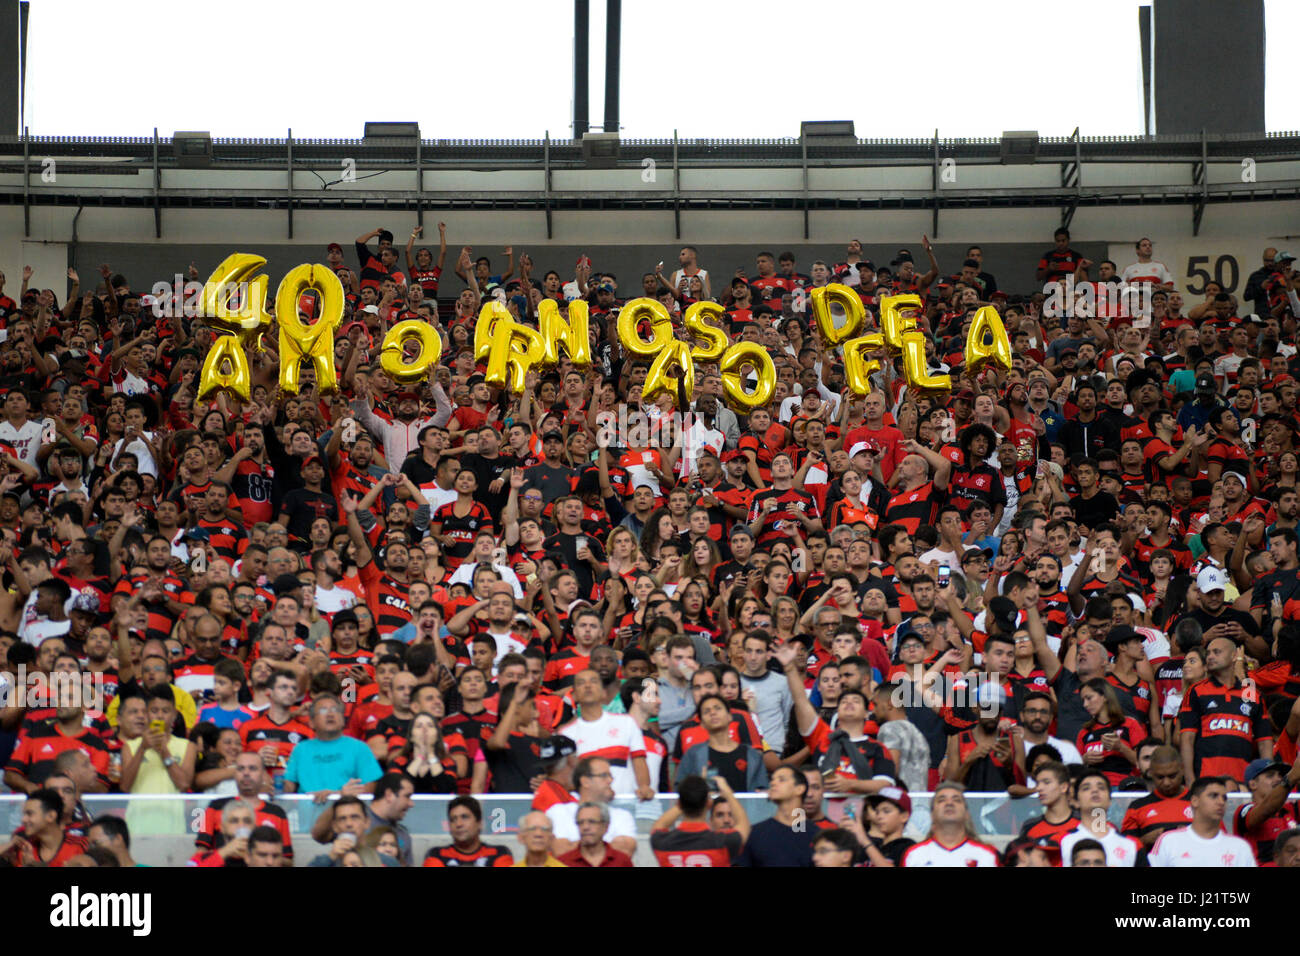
pixel 1054 583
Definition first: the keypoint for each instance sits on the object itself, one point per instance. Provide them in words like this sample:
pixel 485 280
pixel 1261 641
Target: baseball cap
pixel 729 455
pixel 1263 765
pixel 989 694
pixel 556 748
pixel 286 584
pixel 964 394
pixel 1211 579
pixel 310 457
pixel 1121 634
pixel 1284 257
pixel 372 309
pixel 1069 349
pixel 1237 475
pixel 1003 611
pixel 1205 382
pixel 970 553
pixel 895 795
pixel 345 616
pixel 858 448
pixel 552 436
pixel 866 264
pixel 196 534
pixel 332 246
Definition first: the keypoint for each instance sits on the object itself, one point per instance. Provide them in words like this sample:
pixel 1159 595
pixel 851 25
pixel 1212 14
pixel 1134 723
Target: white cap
pixel 1211 579
pixel 858 447
pixel 1238 476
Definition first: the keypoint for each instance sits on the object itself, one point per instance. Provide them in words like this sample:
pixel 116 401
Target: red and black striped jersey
pixel 981 483
pixel 252 485
pixel 266 815
pixel 474 729
pixel 387 599
pixel 1261 837
pixel 395 731
pixel 915 507
pixel 1057 264
pixel 1049 835
pixel 462 529
pixel 1228 723
pixel 348 479
pixel 483 855
pixel 341 663
pixel 562 667
pixel 1156 814
pixel 229 538
pixel 770 289
pixel 1054 609
pixel 427 279
pixel 262 731
pixel 695 843
pixel 790 503
pixel 161 620
pixel 70 847
pixel 1139 691
pixel 762 453
pixel 1112 764
pixel 33 758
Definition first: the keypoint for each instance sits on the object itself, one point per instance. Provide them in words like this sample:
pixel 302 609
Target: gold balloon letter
pixel 892 321
pixel 713 338
pixel 848 300
pixel 299 340
pixel 226 365
pixel 754 354
pixel 513 350
pixel 980 355
pixel 392 357
pixel 857 367
pixel 573 334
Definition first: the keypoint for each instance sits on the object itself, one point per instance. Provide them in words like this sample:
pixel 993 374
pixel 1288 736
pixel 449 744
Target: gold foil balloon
pixel 572 334
pixel 733 386
pixel 392 356
pixel 313 342
pixel 858 368
pixel 979 354
pixel 821 301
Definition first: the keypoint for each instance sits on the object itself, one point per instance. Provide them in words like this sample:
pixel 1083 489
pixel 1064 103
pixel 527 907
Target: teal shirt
pixel 329 764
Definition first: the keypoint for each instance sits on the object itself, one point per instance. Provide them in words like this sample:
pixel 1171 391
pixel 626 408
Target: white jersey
pixel 931 852
pixel 1120 850
pixel 334 600
pixel 564 822
pixel 1183 847
pixel 612 737
pixel 26 441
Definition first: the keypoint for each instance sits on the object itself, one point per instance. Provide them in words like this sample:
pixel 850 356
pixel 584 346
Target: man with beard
pixel 386 590
pixel 251 477
pixel 491 468
pixel 354 473
pixel 400 431
pixel 158 589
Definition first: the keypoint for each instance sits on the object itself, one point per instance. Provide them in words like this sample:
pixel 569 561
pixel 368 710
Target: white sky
pixel 704 67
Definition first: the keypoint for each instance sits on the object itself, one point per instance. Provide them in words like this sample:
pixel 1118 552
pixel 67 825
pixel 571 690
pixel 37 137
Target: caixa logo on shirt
pixel 77 910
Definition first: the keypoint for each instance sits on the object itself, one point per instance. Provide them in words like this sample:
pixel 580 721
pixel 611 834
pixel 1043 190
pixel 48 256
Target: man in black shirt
pixel 582 553
pixel 1092 507
pixel 304 505
pixel 551 476
pixel 782 840
pixel 491 468
pixel 1216 617
pixel 517 752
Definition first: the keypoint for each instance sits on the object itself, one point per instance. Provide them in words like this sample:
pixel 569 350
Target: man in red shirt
pixel 43 842
pixel 887 439
pixel 592 850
